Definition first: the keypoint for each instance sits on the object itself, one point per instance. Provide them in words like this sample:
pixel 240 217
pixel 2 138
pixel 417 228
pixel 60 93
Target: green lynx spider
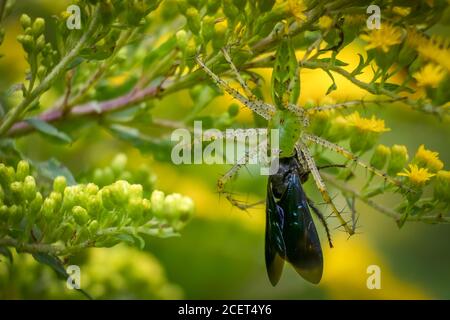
pixel 291 120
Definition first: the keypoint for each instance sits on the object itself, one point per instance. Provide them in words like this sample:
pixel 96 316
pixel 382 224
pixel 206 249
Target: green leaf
pixel 394 87
pixel 53 168
pixel 335 62
pixel 124 237
pixel 145 143
pixel 56 264
pixel 49 130
pixel 333 85
pixel 159 53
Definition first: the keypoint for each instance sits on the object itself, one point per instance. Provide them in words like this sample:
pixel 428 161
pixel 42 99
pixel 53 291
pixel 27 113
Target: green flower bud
pixel 121 191
pixel 38 27
pixel 17 190
pixel 193 20
pixel 135 209
pixel 27 42
pixel 380 157
pixel 57 198
pixel 119 163
pixel 182 38
pixel 93 227
pixel 60 184
pixel 36 204
pixel 186 208
pixel 219 39
pixel 338 130
pixel 399 158
pixel 94 205
pixel 157 203
pixel 4 213
pixel 147 208
pixel 171 206
pixel 23 170
pixel 41 72
pixel 208 28
pixel 15 215
pixel 107 198
pixel 442 187
pixel 25 21
pixel 29 188
pixel 91 189
pixel 80 215
pixel 6 177
pixel 48 208
pixel 40 43
pixel 136 191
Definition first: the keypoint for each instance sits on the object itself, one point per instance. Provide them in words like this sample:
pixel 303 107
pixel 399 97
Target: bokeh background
pixel 220 254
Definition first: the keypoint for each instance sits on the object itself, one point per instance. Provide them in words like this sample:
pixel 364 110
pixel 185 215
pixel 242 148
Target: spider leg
pixel 322 220
pixel 259 107
pixel 321 185
pixel 349 155
pixel 348 104
pixel 241 81
pixel 232 172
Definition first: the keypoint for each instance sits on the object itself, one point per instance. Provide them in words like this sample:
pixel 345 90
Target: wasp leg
pixel 322 220
pixel 265 110
pixel 321 185
pixel 352 157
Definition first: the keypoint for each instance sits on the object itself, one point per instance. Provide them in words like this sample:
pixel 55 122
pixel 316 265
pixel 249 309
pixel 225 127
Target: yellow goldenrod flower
pixel 435 49
pixel 365 124
pixel 428 159
pixel 325 22
pixel 429 76
pixel 417 176
pixel 297 9
pixel 383 38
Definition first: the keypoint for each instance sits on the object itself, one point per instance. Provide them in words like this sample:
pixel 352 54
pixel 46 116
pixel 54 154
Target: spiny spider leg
pixel 300 113
pixel 241 81
pixel 232 172
pixel 321 185
pixel 322 220
pixel 263 109
pixel 348 104
pixel 338 149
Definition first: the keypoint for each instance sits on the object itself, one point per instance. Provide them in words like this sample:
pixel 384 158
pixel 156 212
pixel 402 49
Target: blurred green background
pixel 220 254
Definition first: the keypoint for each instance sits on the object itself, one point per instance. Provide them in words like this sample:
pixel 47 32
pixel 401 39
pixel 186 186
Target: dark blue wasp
pixel 290 231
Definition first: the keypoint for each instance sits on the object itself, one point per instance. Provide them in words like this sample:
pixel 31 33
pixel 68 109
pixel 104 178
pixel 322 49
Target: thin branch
pixel 439 218
pixel 12 116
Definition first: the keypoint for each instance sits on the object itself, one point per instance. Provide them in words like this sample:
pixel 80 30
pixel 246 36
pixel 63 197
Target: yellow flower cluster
pixel 383 38
pixel 430 75
pixel 366 124
pixel 435 49
pixel 423 167
pixel 417 176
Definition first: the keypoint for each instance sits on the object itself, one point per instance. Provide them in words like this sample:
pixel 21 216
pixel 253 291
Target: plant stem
pixel 12 116
pixel 382 209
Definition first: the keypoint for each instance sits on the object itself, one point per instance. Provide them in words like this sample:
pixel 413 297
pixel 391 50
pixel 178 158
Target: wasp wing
pixel 300 236
pixel 275 249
